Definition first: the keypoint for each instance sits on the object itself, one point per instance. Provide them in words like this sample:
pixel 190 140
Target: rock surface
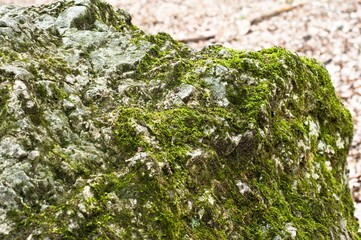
pixel 106 132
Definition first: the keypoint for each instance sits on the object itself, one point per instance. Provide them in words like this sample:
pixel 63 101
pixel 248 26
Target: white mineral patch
pixel 314 127
pixel 133 202
pixel 73 225
pixel 161 164
pixel 210 199
pixel 150 168
pixel 343 225
pixel 210 130
pixel 82 208
pixel 81 80
pixel 140 156
pixel 201 213
pixel 30 237
pixel 277 162
pixel 15 176
pixel 317 165
pixel 113 58
pixel 243 188
pixel 301 144
pixel 148 205
pixel 68 105
pixel 261 132
pixel 224 53
pixel 203 197
pixel 197 152
pixel 9 147
pixel 220 69
pixel 323 148
pixel 235 139
pixel 101 26
pixel 328 165
pixel 45 22
pixel 14 106
pixel 291 230
pixel 223 102
pixel 122 87
pixel 87 193
pixel 97 92
pixel 55 120
pixel 185 91
pixel 5 228
pixel 217 87
pixel 340 143
pixel 141 129
pixel 206 197
pixel 200 70
pixel 189 205
pixel 19 72
pixel 265 228
pixel 315 176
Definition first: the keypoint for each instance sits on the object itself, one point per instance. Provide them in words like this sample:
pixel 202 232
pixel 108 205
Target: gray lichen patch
pixel 108 133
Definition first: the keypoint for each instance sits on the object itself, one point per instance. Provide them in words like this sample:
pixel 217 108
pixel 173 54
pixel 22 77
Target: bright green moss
pixel 179 127
pixel 166 59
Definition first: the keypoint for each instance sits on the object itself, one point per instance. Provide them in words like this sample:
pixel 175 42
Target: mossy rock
pixel 109 133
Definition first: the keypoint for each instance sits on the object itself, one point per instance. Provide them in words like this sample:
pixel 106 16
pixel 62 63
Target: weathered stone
pixel 109 133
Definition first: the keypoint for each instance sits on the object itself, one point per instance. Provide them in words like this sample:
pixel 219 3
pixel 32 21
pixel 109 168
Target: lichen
pixel 109 133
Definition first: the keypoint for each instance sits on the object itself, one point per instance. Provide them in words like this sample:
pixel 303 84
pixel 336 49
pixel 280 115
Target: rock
pixel 109 133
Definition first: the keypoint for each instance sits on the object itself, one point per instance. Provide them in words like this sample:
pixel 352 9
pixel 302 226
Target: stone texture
pixel 109 133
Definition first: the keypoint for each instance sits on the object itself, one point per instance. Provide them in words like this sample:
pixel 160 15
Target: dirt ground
pixel 328 30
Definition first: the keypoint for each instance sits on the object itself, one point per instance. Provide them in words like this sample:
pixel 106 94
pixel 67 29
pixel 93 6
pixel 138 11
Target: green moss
pixel 253 151
pixel 4 98
pixel 119 19
pixel 178 168
pixel 166 59
pixel 8 55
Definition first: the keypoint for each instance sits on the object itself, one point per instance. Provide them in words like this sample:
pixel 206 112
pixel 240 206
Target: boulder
pixel 109 133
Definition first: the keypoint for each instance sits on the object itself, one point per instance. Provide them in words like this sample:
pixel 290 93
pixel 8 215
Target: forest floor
pixel 328 30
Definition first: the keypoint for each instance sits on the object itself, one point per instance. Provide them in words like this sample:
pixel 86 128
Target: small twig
pixel 277 12
pixel 357 176
pixel 256 20
pixel 196 38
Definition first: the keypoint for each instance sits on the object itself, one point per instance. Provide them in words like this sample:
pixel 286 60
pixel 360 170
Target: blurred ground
pixel 329 31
